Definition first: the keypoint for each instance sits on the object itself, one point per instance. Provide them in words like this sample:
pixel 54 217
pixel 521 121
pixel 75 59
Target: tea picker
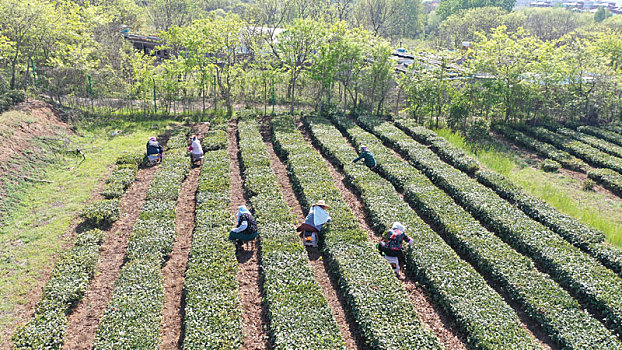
pixel 310 229
pixel 391 246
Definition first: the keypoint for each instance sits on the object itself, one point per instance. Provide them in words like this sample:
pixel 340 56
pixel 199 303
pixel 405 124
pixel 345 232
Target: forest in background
pixel 322 55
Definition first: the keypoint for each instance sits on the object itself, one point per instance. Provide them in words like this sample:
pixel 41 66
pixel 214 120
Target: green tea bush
pixel 453 283
pixel 378 300
pixel 131 158
pixel 446 150
pixel 550 166
pixel 214 139
pixel 588 279
pixel 582 150
pixel 120 179
pixel 605 146
pixel 610 136
pixel 545 301
pixel 213 314
pixel 299 314
pixel 608 178
pixel 70 278
pixel 101 213
pixel 564 158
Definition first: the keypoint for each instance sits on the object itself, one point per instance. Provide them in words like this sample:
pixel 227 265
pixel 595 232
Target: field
pixel 109 253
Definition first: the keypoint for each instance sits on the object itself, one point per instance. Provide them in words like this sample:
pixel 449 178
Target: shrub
pixel 101 213
pixel 431 260
pixel 211 276
pixel 610 136
pixel 131 158
pixel 549 151
pixel 608 178
pixel 215 139
pixel 588 184
pixel 550 166
pixel 69 281
pixel 477 130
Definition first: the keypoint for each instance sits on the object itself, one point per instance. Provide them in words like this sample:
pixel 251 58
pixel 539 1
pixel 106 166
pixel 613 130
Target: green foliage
pixel 299 315
pixel 608 178
pixel 214 140
pixel 549 151
pixel 588 279
pixel 582 150
pixel 588 184
pixel 131 158
pixel 477 130
pixel 457 287
pixel 603 134
pixel 101 213
pixel 133 316
pixel 120 179
pixel 550 166
pixel 602 145
pixel 11 98
pixel 566 323
pixel 213 314
pixel 365 277
pixel 69 281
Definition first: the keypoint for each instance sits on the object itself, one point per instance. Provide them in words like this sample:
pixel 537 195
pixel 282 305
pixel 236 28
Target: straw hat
pixel 321 203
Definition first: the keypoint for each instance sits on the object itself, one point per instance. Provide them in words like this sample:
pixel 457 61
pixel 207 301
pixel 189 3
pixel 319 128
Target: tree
pixel 448 7
pixel 601 14
pixel 165 14
pixel 297 48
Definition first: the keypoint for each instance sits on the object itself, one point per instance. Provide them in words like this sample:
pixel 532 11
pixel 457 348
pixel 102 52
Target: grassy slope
pixel 563 192
pixel 34 231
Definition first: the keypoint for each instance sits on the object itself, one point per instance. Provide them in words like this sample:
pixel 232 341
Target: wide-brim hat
pixel 321 203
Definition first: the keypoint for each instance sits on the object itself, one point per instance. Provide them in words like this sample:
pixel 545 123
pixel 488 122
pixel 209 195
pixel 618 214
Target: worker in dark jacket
pixel 246 227
pixel 153 148
pixel 370 161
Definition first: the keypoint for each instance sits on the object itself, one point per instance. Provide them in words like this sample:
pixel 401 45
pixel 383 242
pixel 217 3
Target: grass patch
pixel 562 192
pixel 32 233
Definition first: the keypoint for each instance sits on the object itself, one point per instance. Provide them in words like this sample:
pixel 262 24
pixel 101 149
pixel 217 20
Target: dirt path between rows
pixel 328 282
pixel 255 319
pixel 83 321
pixel 431 314
pixel 174 270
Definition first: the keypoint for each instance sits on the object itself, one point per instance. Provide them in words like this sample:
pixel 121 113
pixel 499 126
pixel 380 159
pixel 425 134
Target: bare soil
pixel 255 319
pixel 431 314
pixel 175 268
pixel 328 282
pixel 85 318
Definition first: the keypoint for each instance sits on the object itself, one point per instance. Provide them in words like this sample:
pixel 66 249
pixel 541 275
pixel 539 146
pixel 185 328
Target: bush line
pixel 542 298
pixel 479 311
pixel 607 178
pixel 602 145
pixel 299 314
pixel 133 316
pixel 379 303
pixel 72 273
pixel 610 136
pixel 582 236
pixel 582 150
pixel 213 314
pixel 544 149
pixel 598 286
